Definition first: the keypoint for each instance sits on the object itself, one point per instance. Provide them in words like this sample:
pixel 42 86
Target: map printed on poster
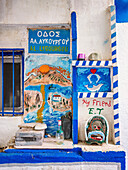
pixel 49 41
pixel 93 79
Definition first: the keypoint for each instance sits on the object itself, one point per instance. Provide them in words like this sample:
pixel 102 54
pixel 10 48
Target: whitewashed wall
pixel 122 53
pixel 34 11
pixel 63 166
pixel 93 36
pixel 15 18
pixel 93 25
pixel 92 16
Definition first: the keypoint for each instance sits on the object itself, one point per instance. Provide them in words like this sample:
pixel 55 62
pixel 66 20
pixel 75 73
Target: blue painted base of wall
pixel 60 155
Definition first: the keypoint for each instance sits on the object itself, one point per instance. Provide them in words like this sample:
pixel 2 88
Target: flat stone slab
pixel 35 126
pixel 27 125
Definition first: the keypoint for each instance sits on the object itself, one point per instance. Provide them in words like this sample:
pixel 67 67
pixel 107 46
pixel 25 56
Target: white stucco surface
pixel 8 126
pixel 122 51
pixel 92 17
pixel 93 36
pixel 64 166
pixel 34 11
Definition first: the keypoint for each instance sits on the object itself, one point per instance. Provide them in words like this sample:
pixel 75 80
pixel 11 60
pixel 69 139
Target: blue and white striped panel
pixel 95 95
pixel 116 105
pixel 113 35
pixel 91 63
pixel 115 76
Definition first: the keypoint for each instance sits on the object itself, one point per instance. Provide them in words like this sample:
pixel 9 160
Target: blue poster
pixel 49 41
pixel 93 79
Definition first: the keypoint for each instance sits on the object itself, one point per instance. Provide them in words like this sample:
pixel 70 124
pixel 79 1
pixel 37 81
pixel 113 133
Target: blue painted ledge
pixel 60 155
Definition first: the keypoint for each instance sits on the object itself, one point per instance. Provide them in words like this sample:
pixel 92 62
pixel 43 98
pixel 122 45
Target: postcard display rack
pixel 101 98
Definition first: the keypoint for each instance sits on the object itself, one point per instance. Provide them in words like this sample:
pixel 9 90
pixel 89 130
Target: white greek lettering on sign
pixel 50 41
pixel 48 34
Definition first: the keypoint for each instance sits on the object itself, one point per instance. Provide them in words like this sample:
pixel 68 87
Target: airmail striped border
pixel 115 75
pixel 116 105
pixel 113 35
pixel 95 95
pixel 91 63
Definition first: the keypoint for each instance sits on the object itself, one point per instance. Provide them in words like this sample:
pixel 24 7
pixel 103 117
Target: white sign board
pixel 92 106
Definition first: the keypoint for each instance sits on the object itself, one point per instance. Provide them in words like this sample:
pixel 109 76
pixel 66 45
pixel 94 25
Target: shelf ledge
pixel 91 63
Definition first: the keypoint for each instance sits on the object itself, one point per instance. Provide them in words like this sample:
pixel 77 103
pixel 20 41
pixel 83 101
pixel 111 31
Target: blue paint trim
pixel 116 106
pixel 116 116
pixel 75 131
pixel 121 11
pixel 104 95
pixel 75 150
pixel 116 126
pixel 112 8
pixel 114 44
pixel 115 96
pixel 74 35
pixel 15 113
pixel 115 71
pixel 81 95
pixel 98 63
pixel 106 63
pixel 74 49
pixel 84 63
pixel 113 26
pixel 6 49
pixel 13 83
pixel 77 63
pixel 75 94
pixel 2 83
pixel 74 72
pixel 23 82
pixel 88 95
pixel 114 52
pixel 90 63
pixel 96 95
pixel 44 157
pixel 117 134
pixel 114 60
pixel 118 143
pixel 60 155
pixel 75 108
pixel 113 17
pixel 73 23
pixel 113 35
pixel 10 53
pixel 115 84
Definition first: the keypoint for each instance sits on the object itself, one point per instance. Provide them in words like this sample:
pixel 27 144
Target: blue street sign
pixel 49 41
